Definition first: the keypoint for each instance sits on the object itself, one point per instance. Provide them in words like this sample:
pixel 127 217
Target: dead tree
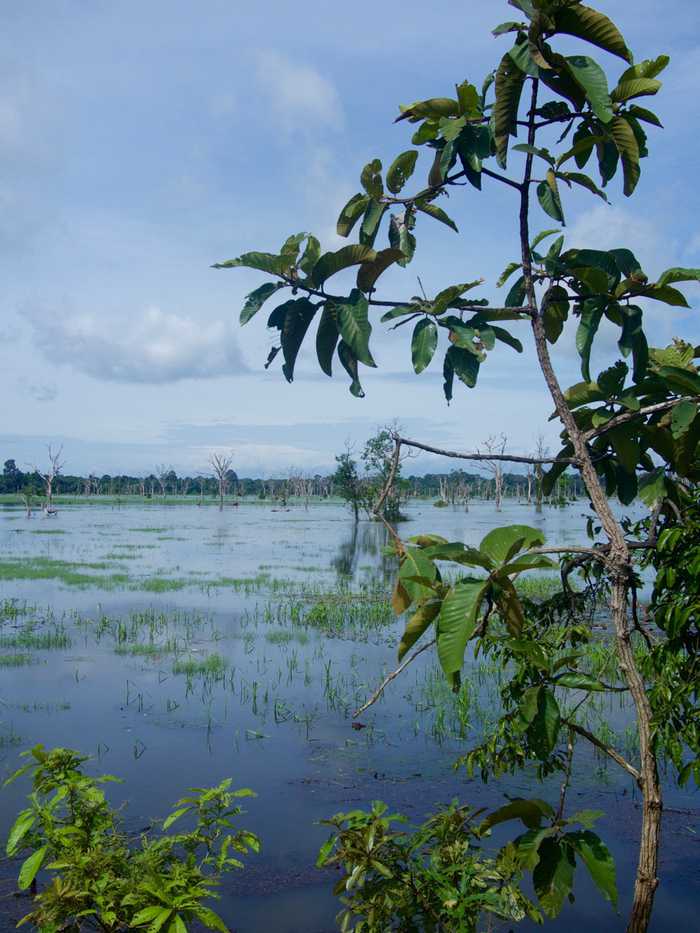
pixel 496 447
pixel 221 464
pixel 49 477
pixel 541 454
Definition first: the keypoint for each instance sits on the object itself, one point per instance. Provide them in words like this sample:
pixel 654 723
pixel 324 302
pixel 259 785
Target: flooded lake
pixel 180 645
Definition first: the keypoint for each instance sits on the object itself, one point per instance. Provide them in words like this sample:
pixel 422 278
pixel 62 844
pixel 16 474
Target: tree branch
pixel 607 749
pixel 626 416
pixel 508 458
pixel 392 676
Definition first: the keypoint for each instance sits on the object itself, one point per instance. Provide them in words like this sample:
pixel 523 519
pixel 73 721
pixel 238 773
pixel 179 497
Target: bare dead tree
pixel 54 468
pixel 161 477
pixel 221 463
pixel 541 454
pixel 495 448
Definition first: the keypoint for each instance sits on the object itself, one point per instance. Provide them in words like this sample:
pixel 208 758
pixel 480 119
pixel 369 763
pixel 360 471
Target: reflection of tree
pixel 365 543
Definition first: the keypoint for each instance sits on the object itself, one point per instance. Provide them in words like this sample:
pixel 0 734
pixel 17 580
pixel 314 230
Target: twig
pixel 392 676
pixel 607 749
pixel 567 774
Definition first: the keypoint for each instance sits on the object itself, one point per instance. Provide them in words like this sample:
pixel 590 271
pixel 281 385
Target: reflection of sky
pixel 139 143
pixel 147 726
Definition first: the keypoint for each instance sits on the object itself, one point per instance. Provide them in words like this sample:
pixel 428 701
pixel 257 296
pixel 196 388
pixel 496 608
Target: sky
pixel 142 142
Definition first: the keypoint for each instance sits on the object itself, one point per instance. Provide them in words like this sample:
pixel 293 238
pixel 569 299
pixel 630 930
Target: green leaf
pixel 591 77
pixel 628 148
pixel 591 316
pixel 423 344
pixel 432 210
pixel 555 311
pixel 349 361
pixel 264 262
pixel 401 170
pixel 298 316
pixel 536 151
pixel 256 299
pixel 211 920
pixel 641 113
pixel 682 417
pixel 400 236
pixel 333 262
pixel 464 364
pixel 584 181
pixel 585 23
pixel 311 255
pixel 371 179
pixel 146 915
pixel 553 876
pixel 509 86
pixel 507 272
pixel 652 487
pixel 505 337
pixel 20 828
pixel 627 486
pixel 448 377
pixel 548 196
pixel 529 811
pixel 508 603
pixel 576 681
pixel 369 272
pixel 354 325
pixel 636 87
pixel 370 222
pixel 457 622
pixel 498 544
pixel 681 380
pixel 581 149
pixel 175 815
pixel 544 728
pixel 433 109
pixel 598 861
pixel 327 337
pixel 667 294
pixel 542 235
pixel 421 620
pixel 649 68
pixel 30 868
pixel 351 213
pixel 416 572
pixel 582 393
pixel 517 294
pixel 679 274
pixel 448 296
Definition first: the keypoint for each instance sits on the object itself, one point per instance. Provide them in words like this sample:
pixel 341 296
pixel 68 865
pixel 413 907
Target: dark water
pixel 276 715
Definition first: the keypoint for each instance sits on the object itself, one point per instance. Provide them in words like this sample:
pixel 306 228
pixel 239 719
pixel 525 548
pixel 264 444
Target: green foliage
pixel 438 877
pixel 98 875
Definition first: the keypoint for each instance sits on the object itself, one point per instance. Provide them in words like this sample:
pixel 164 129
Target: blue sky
pixel 140 142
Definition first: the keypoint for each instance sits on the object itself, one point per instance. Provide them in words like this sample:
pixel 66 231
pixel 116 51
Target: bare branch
pixel 607 749
pixel 626 416
pixel 392 676
pixel 508 458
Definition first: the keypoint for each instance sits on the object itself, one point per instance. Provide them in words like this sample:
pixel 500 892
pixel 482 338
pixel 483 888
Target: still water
pixel 182 645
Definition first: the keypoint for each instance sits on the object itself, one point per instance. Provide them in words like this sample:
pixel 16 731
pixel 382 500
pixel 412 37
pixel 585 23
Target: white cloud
pixel 604 227
pixel 298 93
pixel 156 348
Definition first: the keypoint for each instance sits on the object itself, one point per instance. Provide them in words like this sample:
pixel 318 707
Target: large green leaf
pixel 298 316
pixel 509 86
pixel 354 325
pixel 256 299
pixel 507 272
pixel 679 274
pixel 347 256
pixel 682 417
pixel 506 337
pixel 349 362
pixel 310 255
pixel 369 272
pixel 628 148
pixel 371 179
pixel 498 544
pixel 681 380
pixel 548 196
pixel 553 876
pixel 400 236
pixel 20 828
pixel 598 860
pixel 544 728
pixel 636 87
pixel 457 622
pixel 508 604
pixel 591 77
pixel 327 337
pixel 432 210
pixel 416 572
pixel 448 296
pixel 370 222
pixel 652 487
pixel 591 316
pixel 649 68
pixel 30 868
pixel 421 620
pixel 264 262
pixel 595 27
pixel 351 213
pixel 401 170
pixel 423 344
pixel 464 364
pixel 529 811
